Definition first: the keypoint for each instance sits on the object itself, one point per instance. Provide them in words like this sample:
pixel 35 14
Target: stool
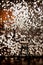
pixel 24 45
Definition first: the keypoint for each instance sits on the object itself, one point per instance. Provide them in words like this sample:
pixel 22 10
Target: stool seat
pixel 23 42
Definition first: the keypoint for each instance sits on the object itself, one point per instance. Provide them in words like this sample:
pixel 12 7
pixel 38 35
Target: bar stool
pixel 24 45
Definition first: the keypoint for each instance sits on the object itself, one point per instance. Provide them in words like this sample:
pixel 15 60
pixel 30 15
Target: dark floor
pixel 21 61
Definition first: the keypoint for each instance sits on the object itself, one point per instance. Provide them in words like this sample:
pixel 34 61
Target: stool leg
pixel 21 51
pixel 27 49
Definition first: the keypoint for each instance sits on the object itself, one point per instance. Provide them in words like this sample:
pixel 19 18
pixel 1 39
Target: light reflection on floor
pixel 22 61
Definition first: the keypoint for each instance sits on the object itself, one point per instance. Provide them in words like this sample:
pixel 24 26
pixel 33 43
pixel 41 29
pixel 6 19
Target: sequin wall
pixel 21 23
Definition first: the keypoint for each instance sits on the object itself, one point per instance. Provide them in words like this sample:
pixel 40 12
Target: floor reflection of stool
pixel 24 45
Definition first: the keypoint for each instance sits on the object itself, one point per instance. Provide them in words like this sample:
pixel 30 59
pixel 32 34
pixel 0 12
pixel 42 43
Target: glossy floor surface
pixel 22 61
